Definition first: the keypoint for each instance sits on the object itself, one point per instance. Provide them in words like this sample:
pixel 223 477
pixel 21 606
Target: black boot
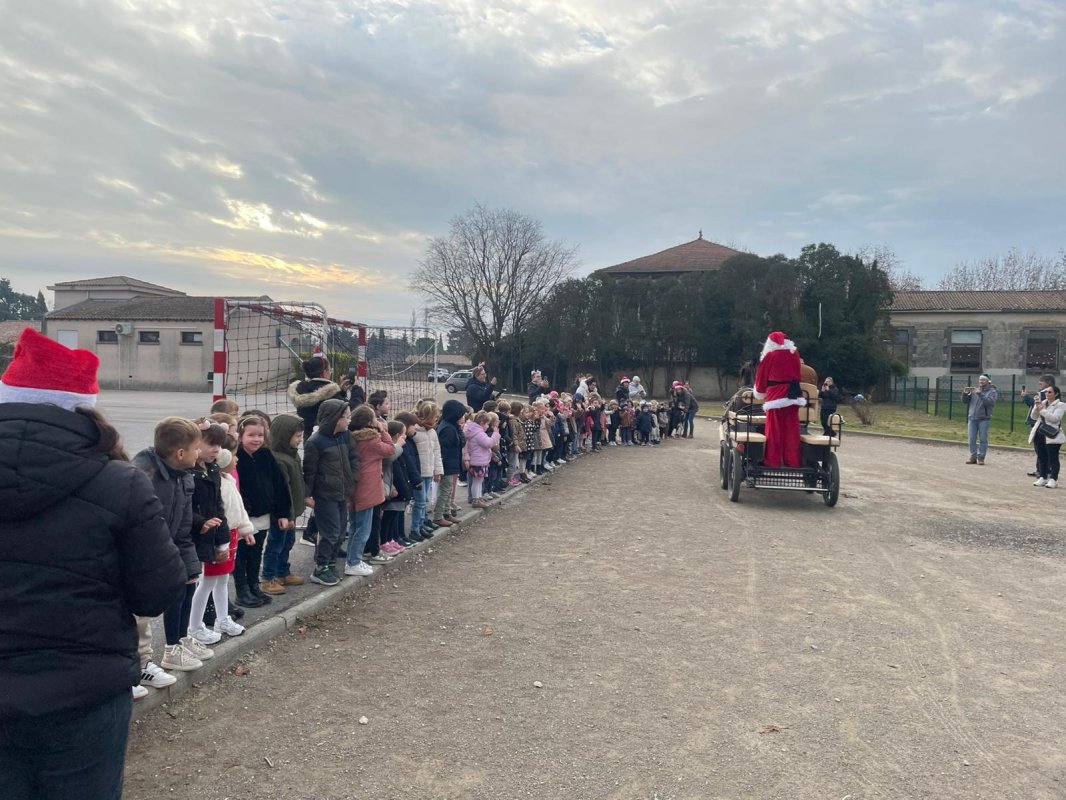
pixel 246 598
pixel 235 611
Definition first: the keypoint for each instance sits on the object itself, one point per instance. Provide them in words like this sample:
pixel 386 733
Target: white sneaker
pixel 359 568
pixel 152 675
pixel 1040 482
pixel 177 657
pixel 549 467
pixel 197 649
pixel 229 627
pixel 1051 484
pixel 139 693
pixel 205 636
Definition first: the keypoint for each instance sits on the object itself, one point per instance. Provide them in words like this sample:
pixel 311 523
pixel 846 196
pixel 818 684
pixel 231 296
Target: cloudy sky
pixel 308 149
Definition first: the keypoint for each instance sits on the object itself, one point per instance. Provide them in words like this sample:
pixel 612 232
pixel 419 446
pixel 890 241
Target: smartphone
pixel 352 373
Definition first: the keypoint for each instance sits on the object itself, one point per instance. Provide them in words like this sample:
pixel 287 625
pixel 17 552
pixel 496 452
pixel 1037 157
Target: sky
pixel 309 150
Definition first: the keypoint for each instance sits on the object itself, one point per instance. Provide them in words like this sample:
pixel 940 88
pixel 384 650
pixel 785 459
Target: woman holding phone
pixel 1048 409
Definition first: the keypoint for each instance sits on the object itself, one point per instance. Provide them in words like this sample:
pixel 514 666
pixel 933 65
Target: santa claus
pixel 777 387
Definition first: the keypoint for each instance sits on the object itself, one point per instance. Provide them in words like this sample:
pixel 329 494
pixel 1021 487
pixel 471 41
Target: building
pixel 699 255
pixel 937 333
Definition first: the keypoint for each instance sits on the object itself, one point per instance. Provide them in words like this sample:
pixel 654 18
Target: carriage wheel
pixel 832 468
pixel 723 465
pixel 736 476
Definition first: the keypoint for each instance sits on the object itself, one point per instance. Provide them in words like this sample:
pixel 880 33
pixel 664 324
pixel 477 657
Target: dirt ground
pixel 626 632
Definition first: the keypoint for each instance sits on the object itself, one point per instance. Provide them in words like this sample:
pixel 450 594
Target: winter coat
pixel 237 517
pixel 282 428
pixel 477 393
pixel 450 437
pixel 644 421
pixel 636 392
pixel 428 460
pixel 386 469
pixel 206 504
pixel 401 482
pixel 308 395
pixel 518 435
pixel 530 434
pixel 262 484
pixel 829 398
pixel 1052 414
pixel 174 488
pixel 559 426
pixel 505 433
pixel 980 405
pixel 438 465
pixel 626 417
pixel 83 547
pixel 621 394
pixel 410 457
pixel 479 444
pixel 544 435
pixel 534 390
pixel 331 464
pixel 374 447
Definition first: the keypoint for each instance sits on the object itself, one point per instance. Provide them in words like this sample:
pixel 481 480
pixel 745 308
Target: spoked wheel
pixel 832 481
pixel 736 476
pixel 723 465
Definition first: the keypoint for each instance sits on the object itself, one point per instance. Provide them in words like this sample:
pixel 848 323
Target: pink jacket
pixel 479 444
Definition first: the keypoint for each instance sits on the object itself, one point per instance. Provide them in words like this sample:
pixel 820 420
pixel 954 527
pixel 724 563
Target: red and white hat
pixel 45 371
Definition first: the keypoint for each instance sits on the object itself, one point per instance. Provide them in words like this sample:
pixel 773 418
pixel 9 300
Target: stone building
pixel 937 333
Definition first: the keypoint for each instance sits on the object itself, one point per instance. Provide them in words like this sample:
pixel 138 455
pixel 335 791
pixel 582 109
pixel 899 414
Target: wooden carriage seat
pixel 818 438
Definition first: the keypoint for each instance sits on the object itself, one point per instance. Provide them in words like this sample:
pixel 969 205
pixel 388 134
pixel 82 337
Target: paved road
pixel 904 644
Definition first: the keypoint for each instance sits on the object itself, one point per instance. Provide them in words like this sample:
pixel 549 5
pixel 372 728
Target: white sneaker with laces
pixel 177 657
pixel 205 636
pixel 198 650
pixel 229 627
pixel 139 693
pixel 1040 482
pixel 359 568
pixel 1052 484
pixel 152 675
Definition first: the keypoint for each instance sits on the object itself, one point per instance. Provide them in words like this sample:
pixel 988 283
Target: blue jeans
pixel 359 525
pixel 418 506
pixel 276 553
pixel 74 753
pixel 978 428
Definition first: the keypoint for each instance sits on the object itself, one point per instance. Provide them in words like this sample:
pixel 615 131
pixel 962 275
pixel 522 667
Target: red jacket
pixel 373 446
pixel 778 368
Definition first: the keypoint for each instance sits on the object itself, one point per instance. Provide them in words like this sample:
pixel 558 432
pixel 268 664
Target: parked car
pixel 458 380
pixel 437 375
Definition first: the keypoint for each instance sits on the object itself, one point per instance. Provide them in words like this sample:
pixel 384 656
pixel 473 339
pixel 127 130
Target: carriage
pixel 743 441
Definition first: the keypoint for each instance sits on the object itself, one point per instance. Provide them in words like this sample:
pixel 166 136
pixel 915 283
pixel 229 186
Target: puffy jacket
pixel 282 428
pixel 262 485
pixel 477 392
pixel 331 464
pixel 410 457
pixel 174 488
pixel 505 433
pixel 207 503
pixel 374 447
pixel 981 405
pixel 428 456
pixel 308 396
pixel 479 444
pixel 83 547
pixel 450 437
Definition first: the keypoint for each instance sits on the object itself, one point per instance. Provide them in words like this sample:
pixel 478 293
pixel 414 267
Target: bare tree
pixel 490 274
pixel 1013 271
pixel 900 278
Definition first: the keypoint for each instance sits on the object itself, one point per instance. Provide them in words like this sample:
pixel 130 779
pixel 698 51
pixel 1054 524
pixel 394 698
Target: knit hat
pixel 45 371
pixel 984 378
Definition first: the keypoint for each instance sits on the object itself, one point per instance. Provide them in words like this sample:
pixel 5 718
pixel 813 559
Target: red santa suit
pixel 778 367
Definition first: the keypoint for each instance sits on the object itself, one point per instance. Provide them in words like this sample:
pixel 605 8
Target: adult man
pixel 534 390
pixel 85 548
pixel 981 399
pixel 1046 382
pixel 478 391
pixel 307 395
pixel 777 387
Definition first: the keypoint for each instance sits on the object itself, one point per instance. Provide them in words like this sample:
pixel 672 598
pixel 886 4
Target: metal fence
pixel 942 397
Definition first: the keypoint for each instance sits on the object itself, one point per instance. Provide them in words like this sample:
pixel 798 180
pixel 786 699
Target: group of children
pixel 234 485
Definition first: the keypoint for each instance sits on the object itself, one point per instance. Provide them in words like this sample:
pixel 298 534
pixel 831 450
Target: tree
pixel 491 274
pixel 900 278
pixel 15 305
pixel 1013 271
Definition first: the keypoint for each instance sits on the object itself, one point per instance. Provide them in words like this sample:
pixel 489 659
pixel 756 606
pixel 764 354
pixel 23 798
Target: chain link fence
pixel 942 397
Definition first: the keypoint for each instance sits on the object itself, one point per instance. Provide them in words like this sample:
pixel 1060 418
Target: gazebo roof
pixel 699 255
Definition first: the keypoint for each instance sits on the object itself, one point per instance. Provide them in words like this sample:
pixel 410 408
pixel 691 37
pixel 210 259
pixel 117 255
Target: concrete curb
pixel 233 649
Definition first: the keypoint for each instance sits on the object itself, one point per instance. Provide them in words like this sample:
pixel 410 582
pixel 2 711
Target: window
pixel 106 337
pixel 900 346
pixel 148 337
pixel 966 351
pixel 1042 351
pixel 192 337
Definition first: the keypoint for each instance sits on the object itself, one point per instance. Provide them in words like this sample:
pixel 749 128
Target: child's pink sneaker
pixel 514 482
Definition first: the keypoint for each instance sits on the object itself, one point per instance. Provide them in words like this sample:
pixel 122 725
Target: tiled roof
pixel 120 280
pixel 11 329
pixel 184 308
pixel 979 301
pixel 699 255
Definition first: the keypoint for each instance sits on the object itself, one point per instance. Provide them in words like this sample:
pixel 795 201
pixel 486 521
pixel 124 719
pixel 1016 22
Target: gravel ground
pixel 626 632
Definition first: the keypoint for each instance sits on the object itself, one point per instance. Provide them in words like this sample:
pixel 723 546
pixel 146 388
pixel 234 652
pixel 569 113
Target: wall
pixel 704 382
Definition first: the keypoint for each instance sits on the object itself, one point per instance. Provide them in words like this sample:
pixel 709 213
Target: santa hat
pixel 624 379
pixel 318 352
pixel 678 383
pixel 44 371
pixel 777 341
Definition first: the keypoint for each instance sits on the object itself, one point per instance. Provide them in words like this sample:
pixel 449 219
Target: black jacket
pixel 477 393
pixel 83 547
pixel 263 487
pixel 207 503
pixel 534 390
pixel 331 460
pixel 174 488
pixel 450 437
pixel 829 398
pixel 307 396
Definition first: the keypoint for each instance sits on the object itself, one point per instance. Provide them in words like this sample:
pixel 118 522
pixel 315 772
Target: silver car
pixel 458 380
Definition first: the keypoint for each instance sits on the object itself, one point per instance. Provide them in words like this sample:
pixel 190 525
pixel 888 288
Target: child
pixel 430 468
pixel 543 444
pixel 503 413
pixel 210 530
pixel 643 423
pixel 175 449
pixel 625 415
pixel 265 497
pixel 216 575
pixel 479 443
pixel 662 416
pixel 405 474
pixel 451 453
pixel 225 406
pixel 596 415
pixel 517 444
pixel 379 401
pixel 376 451
pixel 308 395
pixel 286 436
pixel 613 419
pixel 530 435
pixel 331 466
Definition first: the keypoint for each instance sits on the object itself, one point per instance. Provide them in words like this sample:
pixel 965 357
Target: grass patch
pixel 895 419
